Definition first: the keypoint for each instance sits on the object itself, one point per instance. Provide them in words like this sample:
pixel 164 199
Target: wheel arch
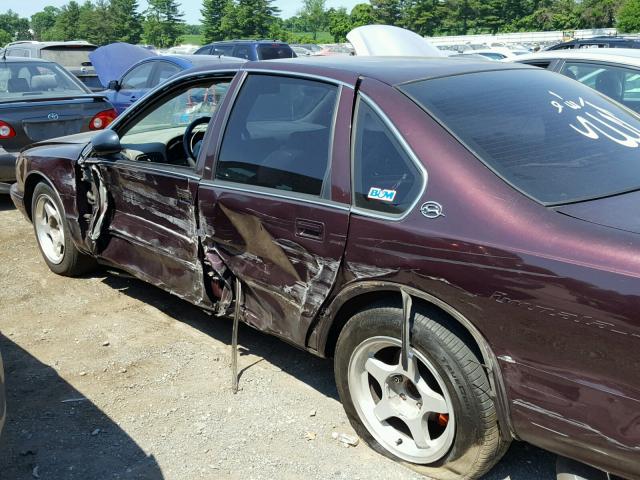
pixel 33 178
pixel 357 296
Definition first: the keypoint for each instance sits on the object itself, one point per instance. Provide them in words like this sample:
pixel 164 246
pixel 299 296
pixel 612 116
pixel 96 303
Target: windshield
pixel 271 52
pixel 554 139
pixel 68 56
pixel 36 79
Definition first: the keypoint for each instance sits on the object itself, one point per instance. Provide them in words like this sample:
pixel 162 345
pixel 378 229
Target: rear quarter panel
pixel 556 298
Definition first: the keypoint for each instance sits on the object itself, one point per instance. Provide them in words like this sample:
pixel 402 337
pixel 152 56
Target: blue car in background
pixel 148 73
pixel 251 50
pixel 129 71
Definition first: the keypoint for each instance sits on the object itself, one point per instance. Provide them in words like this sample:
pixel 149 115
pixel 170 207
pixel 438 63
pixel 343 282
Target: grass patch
pixel 192 40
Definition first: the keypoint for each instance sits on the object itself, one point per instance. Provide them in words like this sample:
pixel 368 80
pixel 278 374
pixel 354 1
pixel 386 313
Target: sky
pixel 191 8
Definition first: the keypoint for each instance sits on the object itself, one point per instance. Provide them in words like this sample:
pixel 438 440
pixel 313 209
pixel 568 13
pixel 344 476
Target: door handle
pixel 309 229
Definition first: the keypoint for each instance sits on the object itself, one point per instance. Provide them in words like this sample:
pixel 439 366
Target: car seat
pixel 18 85
pixel 609 83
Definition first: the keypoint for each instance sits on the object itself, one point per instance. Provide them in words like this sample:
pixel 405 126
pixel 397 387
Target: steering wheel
pixel 188 137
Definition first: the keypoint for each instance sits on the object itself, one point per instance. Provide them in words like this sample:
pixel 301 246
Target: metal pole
pixel 234 337
pixel 407 303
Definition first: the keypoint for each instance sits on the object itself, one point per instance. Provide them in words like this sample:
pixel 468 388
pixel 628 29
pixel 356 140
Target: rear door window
pixel 138 77
pixel 279 134
pixel 272 52
pixel 619 83
pixel 18 52
pixel 164 70
pixel 242 51
pixel 385 179
pixel 226 50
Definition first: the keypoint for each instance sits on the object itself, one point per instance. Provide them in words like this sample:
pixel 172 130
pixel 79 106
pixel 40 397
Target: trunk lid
pixel 619 212
pixel 37 120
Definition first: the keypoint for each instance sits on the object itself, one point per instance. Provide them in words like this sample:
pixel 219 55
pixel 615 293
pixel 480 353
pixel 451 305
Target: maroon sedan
pixel 460 236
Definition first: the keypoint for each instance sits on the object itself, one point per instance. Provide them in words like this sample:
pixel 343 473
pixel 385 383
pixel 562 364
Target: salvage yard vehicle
pixel 72 55
pixel 467 254
pixel 40 100
pixel 615 73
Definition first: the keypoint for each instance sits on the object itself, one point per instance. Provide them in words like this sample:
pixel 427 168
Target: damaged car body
pixel 461 250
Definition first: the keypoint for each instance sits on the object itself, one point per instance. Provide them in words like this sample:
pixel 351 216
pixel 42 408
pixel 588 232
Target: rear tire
pixel 464 442
pixel 53 235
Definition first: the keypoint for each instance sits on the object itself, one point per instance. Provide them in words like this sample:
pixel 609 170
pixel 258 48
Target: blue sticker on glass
pixel 376 193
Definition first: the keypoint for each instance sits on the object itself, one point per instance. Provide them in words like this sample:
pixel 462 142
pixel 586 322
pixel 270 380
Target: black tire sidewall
pixel 386 321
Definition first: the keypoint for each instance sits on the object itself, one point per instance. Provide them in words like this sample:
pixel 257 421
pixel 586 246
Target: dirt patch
pixel 108 377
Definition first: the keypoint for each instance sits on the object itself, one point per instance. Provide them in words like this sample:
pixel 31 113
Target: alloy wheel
pixel 49 229
pixel 407 410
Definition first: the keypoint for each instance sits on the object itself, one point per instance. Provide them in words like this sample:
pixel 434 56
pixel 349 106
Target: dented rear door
pixel 273 213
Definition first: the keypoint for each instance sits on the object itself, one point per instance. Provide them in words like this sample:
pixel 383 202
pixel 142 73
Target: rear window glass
pixel 271 52
pixel 68 56
pixel 25 79
pixel 554 139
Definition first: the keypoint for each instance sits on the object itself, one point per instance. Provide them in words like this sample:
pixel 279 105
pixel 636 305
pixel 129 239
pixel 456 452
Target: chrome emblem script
pixel 431 210
pixel 53 116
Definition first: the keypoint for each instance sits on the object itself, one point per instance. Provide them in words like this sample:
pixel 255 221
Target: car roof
pixel 39 45
pixel 628 56
pixel 390 70
pixel 277 42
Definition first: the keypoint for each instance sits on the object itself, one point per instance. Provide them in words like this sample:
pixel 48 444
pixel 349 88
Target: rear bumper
pixel 7 169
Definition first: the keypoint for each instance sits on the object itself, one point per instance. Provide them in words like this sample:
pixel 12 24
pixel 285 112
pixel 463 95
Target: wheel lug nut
pixel 397 379
pixel 399 441
pixel 403 396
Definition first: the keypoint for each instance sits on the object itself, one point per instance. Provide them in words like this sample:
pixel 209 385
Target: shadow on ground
pixel 6 203
pixel 522 462
pixel 47 437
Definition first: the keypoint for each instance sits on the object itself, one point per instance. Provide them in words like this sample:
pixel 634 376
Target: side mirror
pixel 113 85
pixel 106 142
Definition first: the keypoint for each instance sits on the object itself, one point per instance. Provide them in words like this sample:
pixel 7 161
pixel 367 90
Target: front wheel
pixel 53 236
pixel 435 415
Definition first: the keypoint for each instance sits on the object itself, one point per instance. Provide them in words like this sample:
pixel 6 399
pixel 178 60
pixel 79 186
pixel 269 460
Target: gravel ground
pixel 108 377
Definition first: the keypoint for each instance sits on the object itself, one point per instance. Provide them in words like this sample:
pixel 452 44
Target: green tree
pixel 339 23
pixel 425 17
pixel 213 12
pixel 15 26
pixel 42 22
pixel 389 12
pixel 629 17
pixel 362 14
pixel 5 37
pixel 314 15
pixel 599 13
pixel 249 19
pixel 125 21
pixel 162 26
pixel 66 26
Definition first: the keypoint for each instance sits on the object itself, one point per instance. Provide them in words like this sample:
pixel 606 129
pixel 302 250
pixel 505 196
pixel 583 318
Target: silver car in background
pixel 614 72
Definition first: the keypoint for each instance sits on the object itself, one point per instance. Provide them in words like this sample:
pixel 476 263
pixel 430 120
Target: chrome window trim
pixel 150 167
pixel 225 122
pixel 274 193
pixel 309 76
pixel 362 97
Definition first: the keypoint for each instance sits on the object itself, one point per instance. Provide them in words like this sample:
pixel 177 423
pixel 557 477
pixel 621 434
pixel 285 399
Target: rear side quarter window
pixel 385 178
